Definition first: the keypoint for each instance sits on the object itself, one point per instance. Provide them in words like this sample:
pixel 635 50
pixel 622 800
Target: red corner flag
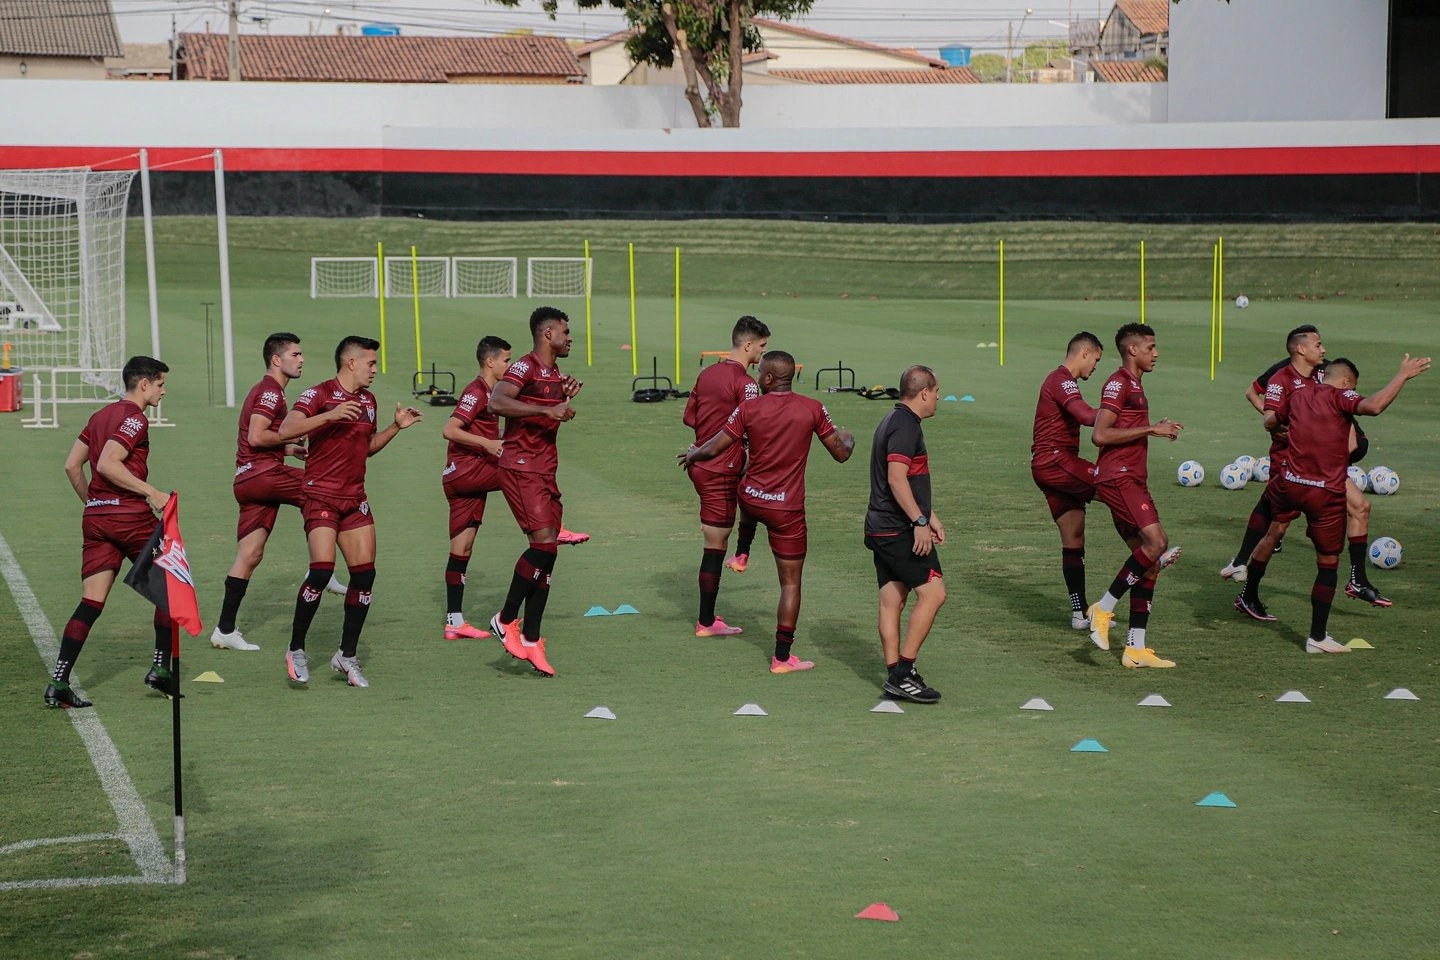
pixel 161 574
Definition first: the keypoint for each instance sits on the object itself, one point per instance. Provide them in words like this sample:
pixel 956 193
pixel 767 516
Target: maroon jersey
pixel 1059 414
pixel 1277 383
pixel 778 427
pixel 1124 395
pixel 473 412
pixel 265 399
pixel 124 422
pixel 1319 421
pixel 719 389
pixel 338 450
pixel 530 441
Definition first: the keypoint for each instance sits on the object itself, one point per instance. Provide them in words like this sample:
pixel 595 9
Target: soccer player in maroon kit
pixel 472 470
pixel 336 510
pixel 1122 432
pixel 1067 481
pixel 534 398
pixel 263 480
pixel 720 388
pixel 778 426
pixel 118 519
pixel 1312 481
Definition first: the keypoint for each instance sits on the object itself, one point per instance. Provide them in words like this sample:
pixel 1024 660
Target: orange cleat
pixel 793 665
pixel 717 629
pixel 571 537
pixel 533 654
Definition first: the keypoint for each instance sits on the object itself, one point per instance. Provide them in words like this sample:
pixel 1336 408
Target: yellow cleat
pixel 1143 657
pixel 1100 625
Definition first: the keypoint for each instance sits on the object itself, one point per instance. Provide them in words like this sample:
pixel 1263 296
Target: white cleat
pixel 1169 557
pixel 1233 571
pixel 1328 645
pixel 350 668
pixel 335 586
pixel 230 641
pixel 1078 621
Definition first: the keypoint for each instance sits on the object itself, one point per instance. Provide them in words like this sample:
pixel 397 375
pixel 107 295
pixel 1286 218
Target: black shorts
pixel 895 560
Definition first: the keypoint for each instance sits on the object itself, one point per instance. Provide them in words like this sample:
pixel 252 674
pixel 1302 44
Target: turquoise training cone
pixel 1088 746
pixel 597 612
pixel 1215 800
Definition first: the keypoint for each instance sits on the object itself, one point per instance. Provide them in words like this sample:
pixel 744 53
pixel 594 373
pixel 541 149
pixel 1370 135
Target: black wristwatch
pixel 921 521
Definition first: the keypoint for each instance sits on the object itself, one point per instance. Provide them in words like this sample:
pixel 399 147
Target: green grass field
pixel 462 806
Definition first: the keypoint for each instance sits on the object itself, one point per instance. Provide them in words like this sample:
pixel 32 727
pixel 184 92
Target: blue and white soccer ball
pixel 1384 481
pixel 1247 465
pixel 1261 470
pixel 1234 477
pixel 1242 301
pixel 1386 553
pixel 1190 474
pixel 1359 477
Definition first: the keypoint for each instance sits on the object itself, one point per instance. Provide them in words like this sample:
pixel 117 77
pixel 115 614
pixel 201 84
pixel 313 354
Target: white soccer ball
pixel 1359 477
pixel 1246 463
pixel 1386 553
pixel 1242 301
pixel 1261 470
pixel 1384 481
pixel 1233 476
pixel 1190 474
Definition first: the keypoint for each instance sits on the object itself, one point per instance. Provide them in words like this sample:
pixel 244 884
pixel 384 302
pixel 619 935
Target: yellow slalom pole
pixel 634 347
pixel 677 318
pixel 415 296
pixel 589 340
pixel 1214 303
pixel 1002 303
pixel 380 263
pixel 1220 303
pixel 1142 281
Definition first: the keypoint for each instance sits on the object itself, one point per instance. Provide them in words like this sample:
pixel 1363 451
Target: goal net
pixel 483 276
pixel 557 277
pixel 344 277
pixel 430 276
pixel 62 277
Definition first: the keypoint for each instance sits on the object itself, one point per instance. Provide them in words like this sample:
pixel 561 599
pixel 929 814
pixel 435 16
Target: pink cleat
pixel 717 629
pixel 792 665
pixel 739 562
pixel 571 537
pixel 534 654
pixel 465 632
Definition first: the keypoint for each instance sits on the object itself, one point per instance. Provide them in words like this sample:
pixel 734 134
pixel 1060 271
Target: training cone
pixel 878 911
pixel 624 608
pixel 1088 746
pixel 1154 700
pixel 967 399
pixel 951 398
pixel 209 676
pixel 1215 800
pixel 624 346
pixel 886 706
pixel 601 713
pixel 751 710
pixel 1292 696
pixel 1035 703
pixel 597 612
pixel 1400 693
pixel 1358 644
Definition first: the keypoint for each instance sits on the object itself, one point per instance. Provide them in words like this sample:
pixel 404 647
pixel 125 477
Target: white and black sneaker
pixel 911 687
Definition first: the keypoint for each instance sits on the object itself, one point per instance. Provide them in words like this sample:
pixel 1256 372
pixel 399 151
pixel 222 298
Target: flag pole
pixel 175 737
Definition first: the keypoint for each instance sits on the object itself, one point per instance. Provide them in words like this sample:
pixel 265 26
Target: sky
pixel 925 25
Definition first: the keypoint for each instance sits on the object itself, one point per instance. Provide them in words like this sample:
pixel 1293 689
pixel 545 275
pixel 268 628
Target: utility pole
pixel 234 73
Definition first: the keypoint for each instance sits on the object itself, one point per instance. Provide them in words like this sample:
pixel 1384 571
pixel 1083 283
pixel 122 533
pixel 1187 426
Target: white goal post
pixel 431 277
pixel 557 277
pixel 344 277
pixel 484 276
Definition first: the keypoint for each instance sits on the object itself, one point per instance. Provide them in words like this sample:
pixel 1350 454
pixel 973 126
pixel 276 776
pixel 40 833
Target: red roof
pixel 346 59
pixel 58 28
pixel 849 41
pixel 1149 16
pixel 1128 71
pixel 816 75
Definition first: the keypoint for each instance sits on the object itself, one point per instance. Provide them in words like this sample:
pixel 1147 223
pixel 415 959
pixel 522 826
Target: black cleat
pixel 911 687
pixel 1255 609
pixel 59 694
pixel 1367 593
pixel 163 680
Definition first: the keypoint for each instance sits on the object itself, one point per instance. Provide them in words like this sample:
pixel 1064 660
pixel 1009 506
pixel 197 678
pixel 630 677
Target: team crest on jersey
pixel 751 391
pixel 519 368
pixel 370 412
pixel 308 395
pixel 270 399
pixel 1070 387
pixel 364 508
pixel 1113 388
pixel 132 426
pixel 467 402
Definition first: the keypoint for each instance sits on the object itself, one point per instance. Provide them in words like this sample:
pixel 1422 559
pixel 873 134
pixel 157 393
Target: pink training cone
pixel 878 911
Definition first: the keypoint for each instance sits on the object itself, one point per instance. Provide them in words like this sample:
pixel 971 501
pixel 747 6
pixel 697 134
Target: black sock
pixel 163 641
pixel 1254 573
pixel 711 563
pixel 307 601
pixel 744 537
pixel 1255 529
pixel 357 606
pixel 905 667
pixel 1130 573
pixel 1357 563
pixel 539 593
pixel 1322 595
pixel 455 583
pixel 527 573
pixel 1072 564
pixel 784 637
pixel 234 593
pixel 73 640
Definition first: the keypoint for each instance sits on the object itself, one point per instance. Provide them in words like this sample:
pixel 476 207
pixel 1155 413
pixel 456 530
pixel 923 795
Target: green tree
pixel 709 38
pixel 989 67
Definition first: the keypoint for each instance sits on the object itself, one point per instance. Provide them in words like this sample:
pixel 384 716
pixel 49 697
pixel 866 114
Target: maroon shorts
pixel 1067 482
pixel 717 497
pixel 1130 505
pixel 1324 512
pixel 260 497
pixel 533 498
pixel 339 515
pixel 466 483
pixel 112 537
pixel 785 529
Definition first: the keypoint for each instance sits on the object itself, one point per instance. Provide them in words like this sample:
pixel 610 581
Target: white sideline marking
pixel 135 827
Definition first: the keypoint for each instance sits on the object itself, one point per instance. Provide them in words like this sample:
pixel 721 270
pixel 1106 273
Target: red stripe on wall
pixel 1214 161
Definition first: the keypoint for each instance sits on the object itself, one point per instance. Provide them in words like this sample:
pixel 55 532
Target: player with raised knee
pixel 1345 375
pixel 263 480
pixel 534 398
pixel 472 471
pixel 720 388
pixel 1318 423
pixel 778 426
pixel 336 510
pixel 1067 480
pixel 1122 432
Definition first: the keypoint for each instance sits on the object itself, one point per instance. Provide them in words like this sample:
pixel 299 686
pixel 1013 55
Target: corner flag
pixel 161 574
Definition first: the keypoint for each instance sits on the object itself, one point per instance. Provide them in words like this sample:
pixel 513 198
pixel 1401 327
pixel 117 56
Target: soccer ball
pixel 1234 477
pixel 1384 481
pixel 1242 301
pixel 1246 463
pixel 1386 553
pixel 1359 477
pixel 1261 470
pixel 1190 474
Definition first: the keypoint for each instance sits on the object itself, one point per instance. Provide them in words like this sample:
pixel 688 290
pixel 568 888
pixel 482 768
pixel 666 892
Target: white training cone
pixel 1035 703
pixel 886 706
pixel 1400 693
pixel 601 713
pixel 1154 700
pixel 1292 696
pixel 751 710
